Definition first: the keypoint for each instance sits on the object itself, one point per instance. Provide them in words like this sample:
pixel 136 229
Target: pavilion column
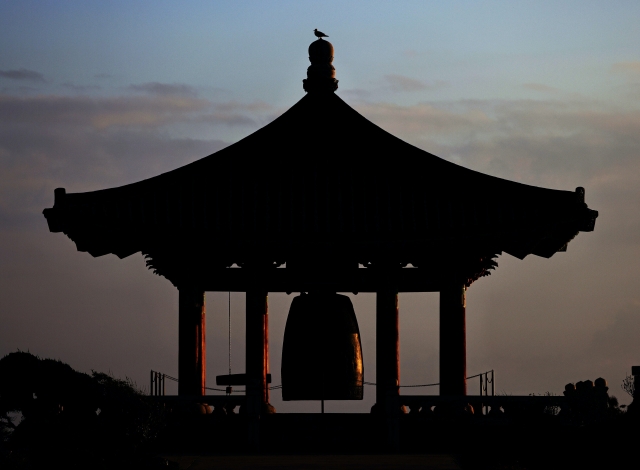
pixel 191 342
pixel 388 364
pixel 257 345
pixel 257 362
pixel 453 340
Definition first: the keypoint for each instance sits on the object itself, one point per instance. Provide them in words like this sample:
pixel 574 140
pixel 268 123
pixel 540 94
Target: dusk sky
pixel 100 94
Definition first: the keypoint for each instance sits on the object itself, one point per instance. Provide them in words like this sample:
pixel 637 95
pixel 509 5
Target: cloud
pixel 165 89
pixel 99 113
pixel 254 107
pixel 512 138
pixel 228 118
pixel 103 76
pixel 357 94
pixel 411 53
pixel 83 159
pixel 86 143
pixel 540 87
pixel 416 121
pixel 80 88
pixel 235 113
pixel 402 83
pixel 19 90
pixel 22 74
pixel 631 69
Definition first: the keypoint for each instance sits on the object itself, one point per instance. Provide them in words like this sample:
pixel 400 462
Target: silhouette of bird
pixel 319 34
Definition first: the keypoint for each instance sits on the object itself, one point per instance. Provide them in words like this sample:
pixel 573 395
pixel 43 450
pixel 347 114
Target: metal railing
pixel 486 378
pixel 157 383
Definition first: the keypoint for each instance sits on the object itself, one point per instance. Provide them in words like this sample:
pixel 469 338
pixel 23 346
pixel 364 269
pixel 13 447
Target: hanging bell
pixel 321 350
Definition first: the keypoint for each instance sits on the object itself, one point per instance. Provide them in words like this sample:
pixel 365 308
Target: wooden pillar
pixel 453 340
pixel 388 364
pixel 257 362
pixel 257 345
pixel 192 359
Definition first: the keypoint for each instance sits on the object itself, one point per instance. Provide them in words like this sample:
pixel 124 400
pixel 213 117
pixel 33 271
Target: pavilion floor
pixel 311 433
pixel 338 462
pixel 289 440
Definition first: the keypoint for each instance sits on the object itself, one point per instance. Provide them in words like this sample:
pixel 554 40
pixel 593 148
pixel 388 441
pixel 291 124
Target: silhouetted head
pixel 569 388
pixel 600 382
pixel 588 384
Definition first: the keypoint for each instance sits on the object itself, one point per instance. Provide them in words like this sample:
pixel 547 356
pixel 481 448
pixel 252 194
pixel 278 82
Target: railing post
pixel 151 383
pixel 493 384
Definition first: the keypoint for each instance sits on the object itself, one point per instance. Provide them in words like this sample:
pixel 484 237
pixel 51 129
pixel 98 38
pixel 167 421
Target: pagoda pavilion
pixel 321 200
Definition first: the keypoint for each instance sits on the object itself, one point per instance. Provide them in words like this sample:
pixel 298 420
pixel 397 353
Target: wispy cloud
pixel 551 143
pixel 22 74
pixel 627 68
pixel 357 94
pixel 88 143
pixel 540 87
pixel 99 113
pixel 80 88
pixel 165 89
pixel 423 119
pixel 235 113
pixel 402 83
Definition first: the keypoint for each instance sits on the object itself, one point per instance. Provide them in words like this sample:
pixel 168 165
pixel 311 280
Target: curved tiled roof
pixel 319 183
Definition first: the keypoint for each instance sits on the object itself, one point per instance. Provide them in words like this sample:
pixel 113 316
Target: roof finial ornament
pixel 321 75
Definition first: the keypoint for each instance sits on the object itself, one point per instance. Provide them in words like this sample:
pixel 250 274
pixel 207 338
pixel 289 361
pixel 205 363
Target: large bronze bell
pixel 321 351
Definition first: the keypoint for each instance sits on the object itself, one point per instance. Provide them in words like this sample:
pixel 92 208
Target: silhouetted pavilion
pixel 321 199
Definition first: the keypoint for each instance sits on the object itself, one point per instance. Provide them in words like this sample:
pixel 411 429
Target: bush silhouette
pixel 66 412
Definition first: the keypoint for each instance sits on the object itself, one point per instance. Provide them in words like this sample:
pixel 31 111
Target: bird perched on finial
pixel 319 34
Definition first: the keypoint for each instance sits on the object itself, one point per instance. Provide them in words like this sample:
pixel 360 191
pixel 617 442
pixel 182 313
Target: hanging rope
pixel 229 332
pixel 485 374
pixel 229 389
